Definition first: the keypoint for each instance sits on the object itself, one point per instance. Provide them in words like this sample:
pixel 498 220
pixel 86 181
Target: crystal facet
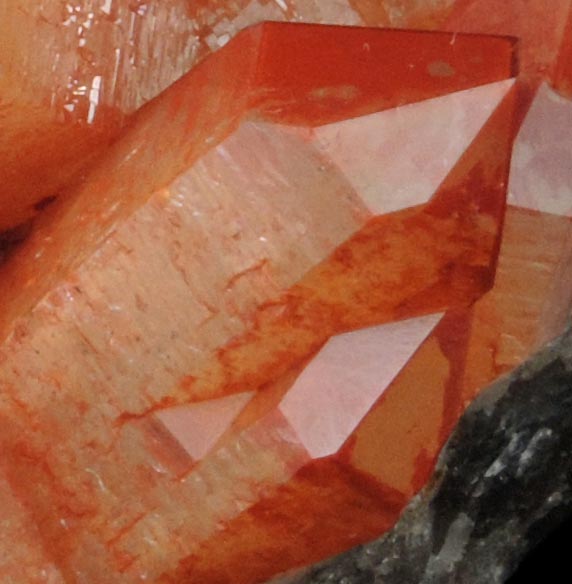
pixel 195 261
pixel 259 298
pixel 306 427
pixel 300 183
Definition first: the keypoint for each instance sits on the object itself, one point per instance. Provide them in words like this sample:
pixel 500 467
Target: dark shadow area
pixel 12 238
pixel 549 561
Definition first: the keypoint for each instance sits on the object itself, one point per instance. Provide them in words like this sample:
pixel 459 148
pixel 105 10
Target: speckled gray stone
pixel 503 482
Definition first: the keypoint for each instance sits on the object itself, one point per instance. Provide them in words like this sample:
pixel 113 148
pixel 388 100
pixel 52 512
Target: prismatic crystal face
pixel 239 337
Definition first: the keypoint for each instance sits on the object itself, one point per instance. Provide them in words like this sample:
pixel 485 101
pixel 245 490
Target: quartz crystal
pixel 226 236
pixel 530 303
pixel 240 340
pixel 134 233
pixel 361 424
pixel 69 86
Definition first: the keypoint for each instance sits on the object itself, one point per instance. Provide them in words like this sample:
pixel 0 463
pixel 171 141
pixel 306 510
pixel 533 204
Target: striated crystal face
pixel 226 236
pixel 373 408
pixel 276 279
pixel 239 342
pixel 67 87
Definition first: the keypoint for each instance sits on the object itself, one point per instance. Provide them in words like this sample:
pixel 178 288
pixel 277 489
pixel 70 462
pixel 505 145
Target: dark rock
pixel 503 482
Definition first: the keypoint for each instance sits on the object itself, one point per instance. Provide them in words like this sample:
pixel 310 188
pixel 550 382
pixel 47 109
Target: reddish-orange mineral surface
pixel 66 92
pixel 309 428
pixel 370 412
pixel 563 73
pixel 539 28
pixel 239 341
pixel 227 235
pixel 276 279
pixel 67 87
pixel 24 557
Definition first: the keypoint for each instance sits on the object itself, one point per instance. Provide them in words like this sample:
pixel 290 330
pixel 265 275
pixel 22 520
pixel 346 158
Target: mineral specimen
pixel 181 269
pixel 68 87
pixel 371 455
pixel 245 219
pixel 147 221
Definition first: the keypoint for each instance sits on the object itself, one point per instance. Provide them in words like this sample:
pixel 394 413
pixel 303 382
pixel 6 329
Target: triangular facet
pixel 398 158
pixel 541 167
pixel 198 426
pixel 337 389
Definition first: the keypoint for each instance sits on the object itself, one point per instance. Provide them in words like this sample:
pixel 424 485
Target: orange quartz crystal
pixel 368 416
pixel 309 425
pixel 532 298
pixel 68 85
pixel 359 427
pixel 196 262
pixel 271 289
pixel 181 268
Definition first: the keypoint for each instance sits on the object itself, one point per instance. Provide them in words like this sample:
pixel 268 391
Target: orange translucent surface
pixel 125 193
pixel 66 91
pixel 390 455
pixel 24 556
pixel 198 227
pixel 295 525
pixel 395 445
pixel 316 414
pixel 400 438
pixel 563 73
pixel 530 302
pixel 540 28
pixel 398 441
pixel 467 351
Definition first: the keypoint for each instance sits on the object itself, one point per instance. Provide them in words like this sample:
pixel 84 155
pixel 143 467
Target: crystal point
pixel 345 378
pixel 196 261
pixel 308 426
pixel 263 299
pixel 395 166
pixel 198 426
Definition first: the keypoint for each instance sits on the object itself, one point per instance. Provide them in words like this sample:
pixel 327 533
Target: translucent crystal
pixel 217 244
